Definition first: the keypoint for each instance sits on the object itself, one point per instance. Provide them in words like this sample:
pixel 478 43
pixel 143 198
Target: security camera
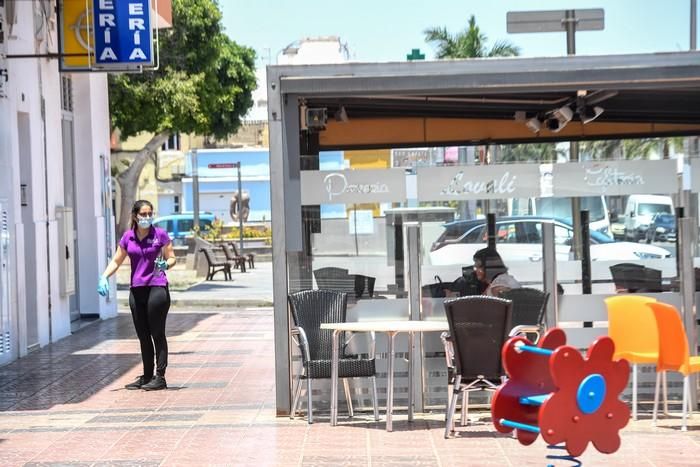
pixel 553 125
pixel 588 115
pixel 563 114
pixel 534 124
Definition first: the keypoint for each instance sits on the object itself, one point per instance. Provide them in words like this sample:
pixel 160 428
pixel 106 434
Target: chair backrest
pixel 633 277
pixel 309 309
pixel 479 326
pixel 673 342
pixel 333 278
pixel 631 324
pixel 362 282
pixel 227 252
pixel 233 247
pixel 528 305
pixel 208 254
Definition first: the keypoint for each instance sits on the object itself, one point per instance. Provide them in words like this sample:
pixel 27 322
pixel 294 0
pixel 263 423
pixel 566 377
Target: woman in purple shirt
pixel 150 252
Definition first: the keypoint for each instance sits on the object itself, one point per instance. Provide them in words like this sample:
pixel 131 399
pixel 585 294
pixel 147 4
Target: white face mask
pixel 145 222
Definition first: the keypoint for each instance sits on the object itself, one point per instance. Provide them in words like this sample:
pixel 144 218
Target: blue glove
pixel 161 264
pixel 103 286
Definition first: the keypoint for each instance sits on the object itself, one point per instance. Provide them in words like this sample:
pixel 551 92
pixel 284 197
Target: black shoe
pixel 138 383
pixel 157 383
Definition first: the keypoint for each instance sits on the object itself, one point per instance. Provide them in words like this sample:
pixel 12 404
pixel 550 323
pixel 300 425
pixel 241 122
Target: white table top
pixel 389 326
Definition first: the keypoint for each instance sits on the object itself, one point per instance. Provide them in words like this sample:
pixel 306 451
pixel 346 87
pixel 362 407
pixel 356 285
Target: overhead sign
pixel 615 178
pixel 352 186
pixel 123 32
pixel 590 19
pixel 478 182
pixel 228 165
pixel 112 35
pixel 75 37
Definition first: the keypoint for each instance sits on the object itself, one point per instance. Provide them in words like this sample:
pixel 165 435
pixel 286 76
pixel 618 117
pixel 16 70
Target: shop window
pixel 173 143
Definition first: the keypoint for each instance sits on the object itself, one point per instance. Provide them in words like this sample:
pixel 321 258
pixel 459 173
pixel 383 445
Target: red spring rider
pixel 554 391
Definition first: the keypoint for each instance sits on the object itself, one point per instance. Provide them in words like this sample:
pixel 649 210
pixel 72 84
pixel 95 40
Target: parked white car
pixel 640 212
pixel 520 239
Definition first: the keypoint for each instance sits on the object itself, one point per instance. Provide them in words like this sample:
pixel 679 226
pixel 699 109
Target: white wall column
pixel 91 120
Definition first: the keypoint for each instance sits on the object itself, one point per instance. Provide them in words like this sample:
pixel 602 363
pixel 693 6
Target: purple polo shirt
pixel 143 254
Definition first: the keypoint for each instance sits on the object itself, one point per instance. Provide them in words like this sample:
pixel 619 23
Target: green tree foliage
pixel 640 148
pixel 536 152
pixel 470 43
pixel 203 86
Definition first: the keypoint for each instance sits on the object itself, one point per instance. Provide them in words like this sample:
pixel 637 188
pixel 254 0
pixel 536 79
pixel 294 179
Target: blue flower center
pixel 591 393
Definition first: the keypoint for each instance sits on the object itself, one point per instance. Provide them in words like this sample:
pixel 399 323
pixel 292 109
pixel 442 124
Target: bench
pixel 235 259
pixel 249 256
pixel 215 265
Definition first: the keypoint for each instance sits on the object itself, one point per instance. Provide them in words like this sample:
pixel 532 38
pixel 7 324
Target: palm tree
pixel 470 43
pixel 641 148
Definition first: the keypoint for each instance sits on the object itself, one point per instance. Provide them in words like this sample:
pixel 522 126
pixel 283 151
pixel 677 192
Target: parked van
pixel 640 211
pixel 560 208
pixel 180 226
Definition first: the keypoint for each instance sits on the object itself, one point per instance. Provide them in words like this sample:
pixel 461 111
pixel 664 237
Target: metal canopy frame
pixel 455 102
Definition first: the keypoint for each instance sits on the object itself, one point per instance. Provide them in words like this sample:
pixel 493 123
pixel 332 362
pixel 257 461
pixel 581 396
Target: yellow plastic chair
pixel 632 327
pixel 673 352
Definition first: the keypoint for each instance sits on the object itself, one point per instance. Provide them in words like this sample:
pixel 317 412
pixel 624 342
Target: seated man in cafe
pixel 493 273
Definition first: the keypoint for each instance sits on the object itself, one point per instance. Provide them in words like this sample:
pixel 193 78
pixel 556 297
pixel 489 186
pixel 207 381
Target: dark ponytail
pixel 135 210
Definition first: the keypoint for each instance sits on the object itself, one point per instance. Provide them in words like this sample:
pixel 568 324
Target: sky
pixel 387 30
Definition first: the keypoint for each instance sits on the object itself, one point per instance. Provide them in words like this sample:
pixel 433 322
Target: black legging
pixel 149 309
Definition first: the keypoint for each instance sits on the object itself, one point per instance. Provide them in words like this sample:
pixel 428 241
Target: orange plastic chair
pixel 632 327
pixel 673 351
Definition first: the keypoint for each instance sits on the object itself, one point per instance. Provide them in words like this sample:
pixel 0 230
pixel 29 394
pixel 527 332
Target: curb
pixel 222 304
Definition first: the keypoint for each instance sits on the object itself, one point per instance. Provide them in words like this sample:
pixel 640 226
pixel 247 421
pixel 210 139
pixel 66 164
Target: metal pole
pixel 585 253
pixel 240 210
pixel 491 230
pixel 195 192
pixel 415 349
pixel 549 273
pixel 573 145
pixel 570 32
pixel 687 229
pixel 693 25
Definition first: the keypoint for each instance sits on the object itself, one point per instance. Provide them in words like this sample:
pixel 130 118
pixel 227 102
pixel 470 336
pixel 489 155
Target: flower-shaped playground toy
pixel 554 391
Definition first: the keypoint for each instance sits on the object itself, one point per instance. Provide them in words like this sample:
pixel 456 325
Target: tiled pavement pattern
pixel 65 406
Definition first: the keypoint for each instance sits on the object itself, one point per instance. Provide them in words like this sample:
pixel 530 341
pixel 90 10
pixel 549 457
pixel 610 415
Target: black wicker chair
pixel 632 277
pixel 529 306
pixel 479 326
pixel 309 309
pixel 332 278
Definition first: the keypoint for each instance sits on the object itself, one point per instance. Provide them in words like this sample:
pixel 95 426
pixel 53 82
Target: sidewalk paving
pixel 252 288
pixel 65 405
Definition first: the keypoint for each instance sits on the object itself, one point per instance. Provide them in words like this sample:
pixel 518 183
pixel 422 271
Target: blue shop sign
pixel 123 32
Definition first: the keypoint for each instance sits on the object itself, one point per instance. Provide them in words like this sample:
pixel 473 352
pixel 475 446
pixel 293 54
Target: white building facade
pixel 56 228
